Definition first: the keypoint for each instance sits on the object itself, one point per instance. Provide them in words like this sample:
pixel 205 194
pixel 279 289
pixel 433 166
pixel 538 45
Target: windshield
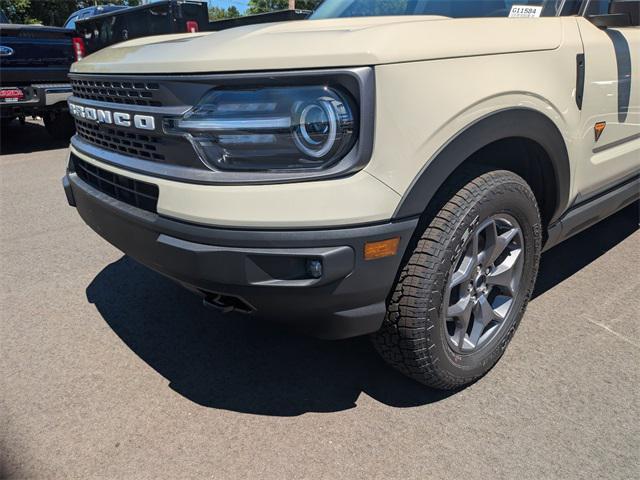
pixel 446 8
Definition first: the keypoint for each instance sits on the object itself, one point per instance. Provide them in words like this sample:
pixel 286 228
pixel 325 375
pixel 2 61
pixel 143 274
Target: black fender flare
pixel 521 122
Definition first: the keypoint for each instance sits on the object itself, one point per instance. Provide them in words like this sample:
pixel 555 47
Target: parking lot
pixel 109 370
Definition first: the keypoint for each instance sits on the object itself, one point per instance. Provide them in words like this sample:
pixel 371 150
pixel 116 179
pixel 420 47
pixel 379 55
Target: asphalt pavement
pixel 108 370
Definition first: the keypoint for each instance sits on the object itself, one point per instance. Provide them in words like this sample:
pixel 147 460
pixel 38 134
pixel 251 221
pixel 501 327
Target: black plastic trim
pixel 263 271
pixel 617 143
pixel 66 185
pixel 589 212
pixel 523 123
pixel 580 76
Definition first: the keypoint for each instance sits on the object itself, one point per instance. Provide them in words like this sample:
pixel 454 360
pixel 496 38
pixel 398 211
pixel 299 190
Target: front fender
pixel 512 123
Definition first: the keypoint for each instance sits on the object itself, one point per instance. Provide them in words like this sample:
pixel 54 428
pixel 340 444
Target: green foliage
pixel 263 6
pixel 17 11
pixel 217 13
pixel 52 12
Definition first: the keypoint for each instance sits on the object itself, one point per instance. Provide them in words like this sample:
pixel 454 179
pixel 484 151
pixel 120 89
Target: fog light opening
pixel 314 268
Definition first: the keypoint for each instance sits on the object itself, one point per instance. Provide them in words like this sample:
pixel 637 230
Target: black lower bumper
pixel 273 273
pixel 37 100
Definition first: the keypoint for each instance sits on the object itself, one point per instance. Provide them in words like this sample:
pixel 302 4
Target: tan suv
pixel 392 168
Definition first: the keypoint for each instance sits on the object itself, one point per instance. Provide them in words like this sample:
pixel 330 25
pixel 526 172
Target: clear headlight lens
pixel 275 128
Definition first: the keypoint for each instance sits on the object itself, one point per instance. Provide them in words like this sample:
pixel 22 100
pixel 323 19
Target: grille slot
pixel 122 92
pixel 133 192
pixel 128 143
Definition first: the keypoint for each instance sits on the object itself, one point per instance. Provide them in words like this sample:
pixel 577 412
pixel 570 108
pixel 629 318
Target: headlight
pixel 271 129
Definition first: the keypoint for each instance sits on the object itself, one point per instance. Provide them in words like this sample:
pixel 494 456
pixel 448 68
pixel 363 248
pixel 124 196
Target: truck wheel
pixel 60 125
pixel 465 282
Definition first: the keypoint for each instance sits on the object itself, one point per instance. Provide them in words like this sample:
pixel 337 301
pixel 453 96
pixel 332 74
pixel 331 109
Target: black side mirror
pixel 610 20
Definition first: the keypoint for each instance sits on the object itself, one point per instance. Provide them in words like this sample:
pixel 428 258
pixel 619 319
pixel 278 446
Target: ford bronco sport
pixel 392 168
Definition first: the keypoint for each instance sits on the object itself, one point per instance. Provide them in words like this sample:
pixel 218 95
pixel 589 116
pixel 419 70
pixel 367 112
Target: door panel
pixel 611 95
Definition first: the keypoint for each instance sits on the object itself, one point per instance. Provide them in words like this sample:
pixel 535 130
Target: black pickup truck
pixel 117 25
pixel 34 63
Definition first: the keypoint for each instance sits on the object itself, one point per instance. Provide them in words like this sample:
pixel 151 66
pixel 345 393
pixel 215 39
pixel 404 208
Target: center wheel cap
pixel 480 282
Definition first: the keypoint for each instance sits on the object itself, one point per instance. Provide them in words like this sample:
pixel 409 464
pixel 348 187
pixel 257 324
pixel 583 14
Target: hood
pixel 325 44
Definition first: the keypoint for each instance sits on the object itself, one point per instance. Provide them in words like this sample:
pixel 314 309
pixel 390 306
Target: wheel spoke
pixel 483 314
pixel 506 273
pixel 469 262
pixel 461 310
pixel 490 231
pixel 463 274
pixel 484 311
pixel 476 333
pixel 498 245
pixel 461 334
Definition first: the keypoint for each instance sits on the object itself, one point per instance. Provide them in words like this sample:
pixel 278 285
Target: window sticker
pixel 525 11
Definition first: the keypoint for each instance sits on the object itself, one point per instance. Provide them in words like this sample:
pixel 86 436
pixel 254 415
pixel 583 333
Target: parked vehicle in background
pixel 90 12
pixel 162 18
pixel 158 18
pixel 34 64
pixel 385 168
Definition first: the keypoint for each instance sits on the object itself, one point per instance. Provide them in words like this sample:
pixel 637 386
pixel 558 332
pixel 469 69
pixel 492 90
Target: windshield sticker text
pixel 525 11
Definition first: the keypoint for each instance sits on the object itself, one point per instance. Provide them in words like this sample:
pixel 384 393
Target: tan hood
pixel 324 44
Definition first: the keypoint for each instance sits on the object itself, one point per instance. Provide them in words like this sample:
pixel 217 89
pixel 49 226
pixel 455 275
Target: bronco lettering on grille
pixel 122 119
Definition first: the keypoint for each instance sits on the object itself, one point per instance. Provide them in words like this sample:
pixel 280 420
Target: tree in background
pixel 18 11
pixel 263 6
pixel 51 12
pixel 217 13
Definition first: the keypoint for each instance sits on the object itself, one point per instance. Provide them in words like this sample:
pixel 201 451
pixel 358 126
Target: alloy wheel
pixel 483 285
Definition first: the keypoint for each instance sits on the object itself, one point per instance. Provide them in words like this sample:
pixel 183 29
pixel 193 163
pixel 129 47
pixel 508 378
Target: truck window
pixel 71 23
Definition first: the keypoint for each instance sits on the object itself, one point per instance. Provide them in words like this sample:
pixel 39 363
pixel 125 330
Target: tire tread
pixel 405 339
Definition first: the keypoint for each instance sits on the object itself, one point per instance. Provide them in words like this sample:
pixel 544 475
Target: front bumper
pixel 265 272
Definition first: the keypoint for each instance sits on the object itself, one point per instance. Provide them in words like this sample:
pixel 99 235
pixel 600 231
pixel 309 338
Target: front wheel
pixel 466 281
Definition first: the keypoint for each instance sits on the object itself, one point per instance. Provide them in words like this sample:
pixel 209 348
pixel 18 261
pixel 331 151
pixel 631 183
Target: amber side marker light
pixel 385 248
pixel 599 129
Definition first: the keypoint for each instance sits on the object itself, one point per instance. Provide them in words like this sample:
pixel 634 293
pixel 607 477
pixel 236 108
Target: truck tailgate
pixel 37 54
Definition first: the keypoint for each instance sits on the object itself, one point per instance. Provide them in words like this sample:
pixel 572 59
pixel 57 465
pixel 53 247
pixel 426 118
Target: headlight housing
pixel 271 129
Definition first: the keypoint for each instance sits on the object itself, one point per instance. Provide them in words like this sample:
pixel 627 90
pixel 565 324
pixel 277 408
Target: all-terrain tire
pixel 413 337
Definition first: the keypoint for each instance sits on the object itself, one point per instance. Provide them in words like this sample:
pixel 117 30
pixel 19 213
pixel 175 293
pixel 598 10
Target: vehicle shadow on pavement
pixel 243 364
pixel 573 255
pixel 238 362
pixel 28 138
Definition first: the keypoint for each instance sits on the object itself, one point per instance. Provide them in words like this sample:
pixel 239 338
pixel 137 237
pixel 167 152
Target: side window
pixel 598 7
pixel 569 7
pixel 628 7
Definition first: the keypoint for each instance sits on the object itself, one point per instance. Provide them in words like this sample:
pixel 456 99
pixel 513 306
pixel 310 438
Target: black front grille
pixel 128 143
pixel 150 150
pixel 133 192
pixel 123 92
